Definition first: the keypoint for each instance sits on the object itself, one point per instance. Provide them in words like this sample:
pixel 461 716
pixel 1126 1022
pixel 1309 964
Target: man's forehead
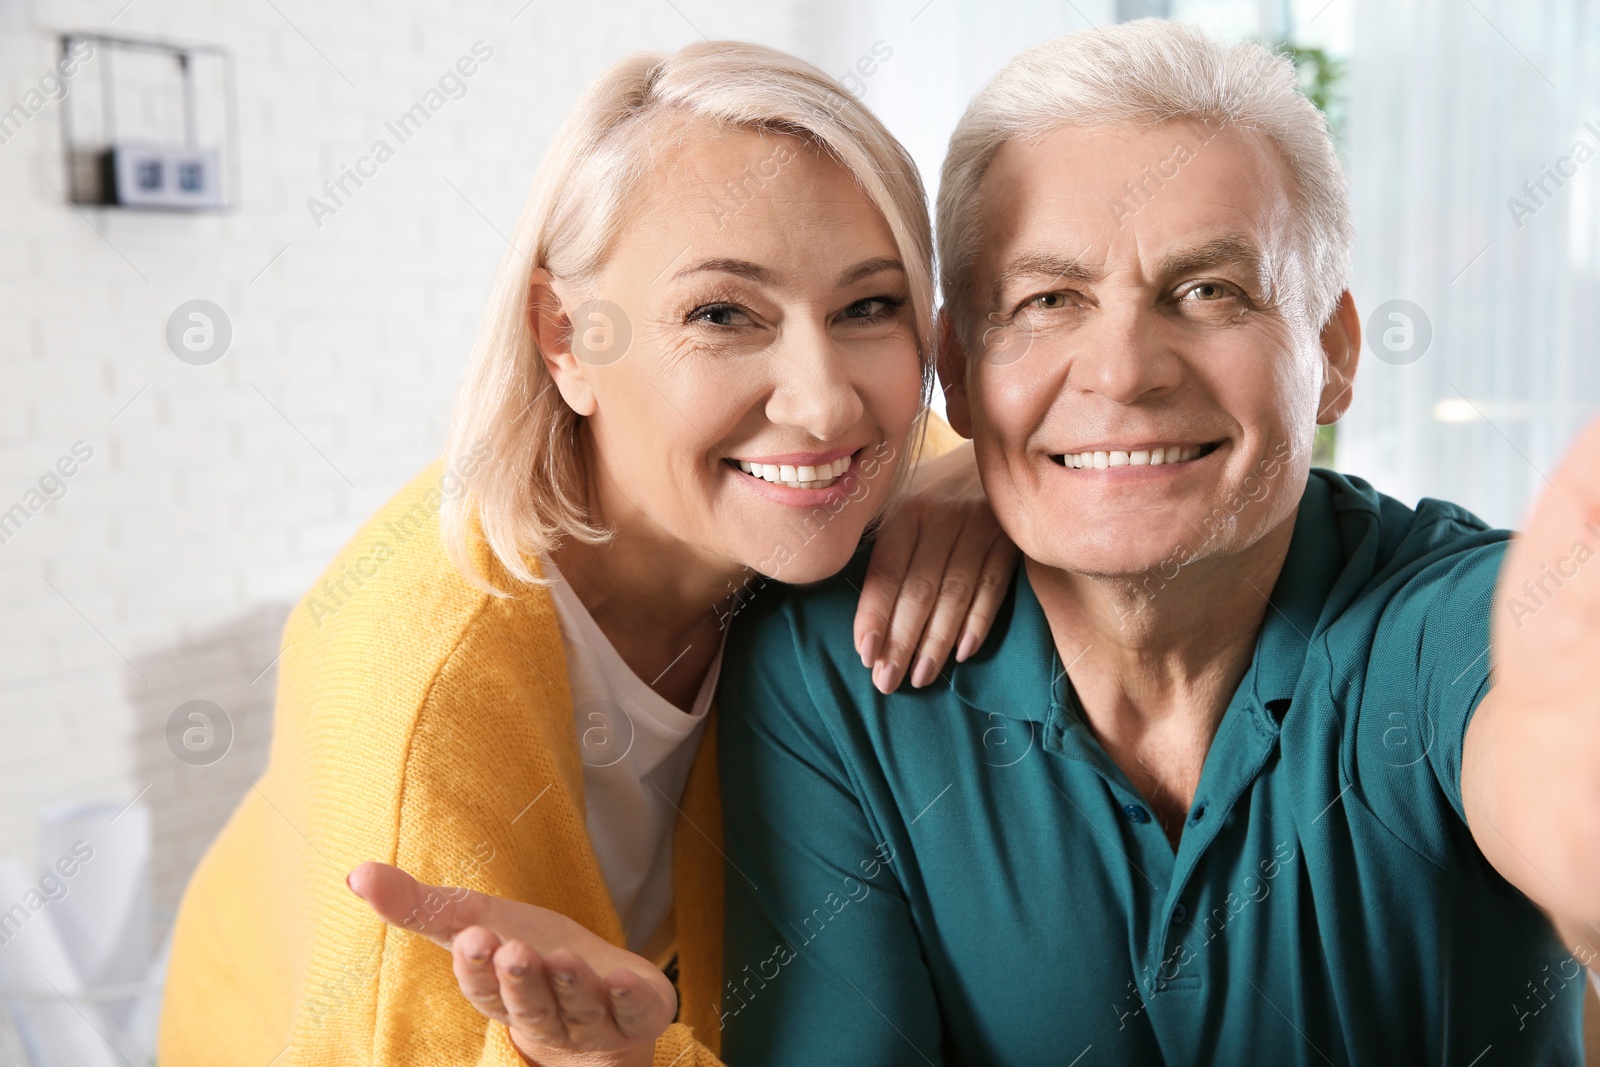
pixel 1122 151
pixel 1169 193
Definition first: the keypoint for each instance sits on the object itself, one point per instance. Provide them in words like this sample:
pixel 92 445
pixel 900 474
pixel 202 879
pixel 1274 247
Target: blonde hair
pixel 513 440
pixel 1142 73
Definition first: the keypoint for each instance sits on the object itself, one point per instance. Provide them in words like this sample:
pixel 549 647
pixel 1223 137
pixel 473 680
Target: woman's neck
pixel 657 601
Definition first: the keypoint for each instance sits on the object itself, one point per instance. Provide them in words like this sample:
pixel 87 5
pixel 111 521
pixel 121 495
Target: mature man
pixel 1230 783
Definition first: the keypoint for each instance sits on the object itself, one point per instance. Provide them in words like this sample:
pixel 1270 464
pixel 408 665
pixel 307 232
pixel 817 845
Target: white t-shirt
pixel 637 749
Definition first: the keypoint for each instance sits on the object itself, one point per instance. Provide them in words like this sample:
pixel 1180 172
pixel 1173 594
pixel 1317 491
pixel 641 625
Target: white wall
pixel 1453 108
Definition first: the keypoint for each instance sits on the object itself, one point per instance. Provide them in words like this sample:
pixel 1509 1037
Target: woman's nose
pixel 813 389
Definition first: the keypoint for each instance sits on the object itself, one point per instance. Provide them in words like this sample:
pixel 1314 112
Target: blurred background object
pixel 198 406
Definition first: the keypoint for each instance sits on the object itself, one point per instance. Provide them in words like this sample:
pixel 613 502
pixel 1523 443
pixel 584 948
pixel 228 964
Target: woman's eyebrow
pixel 743 268
pixel 755 272
pixel 868 267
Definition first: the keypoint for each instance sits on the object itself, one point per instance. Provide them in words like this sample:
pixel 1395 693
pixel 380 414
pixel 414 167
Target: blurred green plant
pixel 1321 79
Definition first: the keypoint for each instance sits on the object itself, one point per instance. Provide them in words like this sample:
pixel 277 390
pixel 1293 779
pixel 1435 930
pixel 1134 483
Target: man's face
pixel 1142 377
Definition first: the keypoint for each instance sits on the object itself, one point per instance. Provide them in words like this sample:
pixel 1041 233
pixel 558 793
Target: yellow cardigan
pixel 423 723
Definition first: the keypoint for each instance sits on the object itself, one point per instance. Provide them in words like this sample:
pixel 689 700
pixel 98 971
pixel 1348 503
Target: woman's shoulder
pixel 386 617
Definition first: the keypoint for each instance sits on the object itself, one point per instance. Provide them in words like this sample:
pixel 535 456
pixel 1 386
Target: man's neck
pixel 1155 668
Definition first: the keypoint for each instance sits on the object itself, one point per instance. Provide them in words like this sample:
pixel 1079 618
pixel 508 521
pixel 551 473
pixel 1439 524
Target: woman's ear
pixel 1341 351
pixel 552 333
pixel 952 365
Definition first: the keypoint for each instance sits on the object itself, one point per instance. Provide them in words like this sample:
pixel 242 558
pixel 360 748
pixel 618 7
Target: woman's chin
pixel 802 565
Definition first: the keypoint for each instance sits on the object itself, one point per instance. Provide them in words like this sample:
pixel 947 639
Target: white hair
pixel 514 441
pixel 1143 73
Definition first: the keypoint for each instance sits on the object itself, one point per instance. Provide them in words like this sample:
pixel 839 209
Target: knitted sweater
pixel 423 723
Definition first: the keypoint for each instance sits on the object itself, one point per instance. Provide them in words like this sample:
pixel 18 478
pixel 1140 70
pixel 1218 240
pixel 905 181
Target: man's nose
pixel 1125 354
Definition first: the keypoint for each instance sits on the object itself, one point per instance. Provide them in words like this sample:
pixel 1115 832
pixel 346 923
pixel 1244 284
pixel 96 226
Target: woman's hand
pixel 569 997
pixel 940 569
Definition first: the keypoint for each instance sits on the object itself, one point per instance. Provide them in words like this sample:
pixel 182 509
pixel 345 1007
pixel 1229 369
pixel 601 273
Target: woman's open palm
pixel 570 998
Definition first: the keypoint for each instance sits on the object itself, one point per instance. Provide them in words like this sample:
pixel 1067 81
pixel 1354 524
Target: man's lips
pixel 1152 454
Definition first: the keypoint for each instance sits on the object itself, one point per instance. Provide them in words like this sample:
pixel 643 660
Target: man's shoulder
pixel 1392 545
pixel 790 668
pixel 817 617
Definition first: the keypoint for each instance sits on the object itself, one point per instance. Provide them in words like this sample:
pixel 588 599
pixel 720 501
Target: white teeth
pixel 1103 460
pixel 814 476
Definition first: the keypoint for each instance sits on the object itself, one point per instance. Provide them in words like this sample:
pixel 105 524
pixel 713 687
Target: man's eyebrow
pixel 1047 265
pixel 1219 251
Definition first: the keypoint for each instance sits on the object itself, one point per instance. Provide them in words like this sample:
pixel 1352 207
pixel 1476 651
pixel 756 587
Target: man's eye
pixel 1208 291
pixel 720 315
pixel 1049 301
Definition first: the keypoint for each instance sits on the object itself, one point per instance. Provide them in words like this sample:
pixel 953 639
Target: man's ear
pixel 1341 351
pixel 951 359
pixel 552 332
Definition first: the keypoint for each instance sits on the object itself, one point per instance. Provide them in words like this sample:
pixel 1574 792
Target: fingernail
pixel 347 884
pixel 562 977
pixel 620 993
pixel 969 645
pixel 517 970
pixel 869 647
pixel 883 676
pixel 923 673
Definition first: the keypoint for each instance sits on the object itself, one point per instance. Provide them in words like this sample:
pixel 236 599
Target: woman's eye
pixel 720 315
pixel 872 308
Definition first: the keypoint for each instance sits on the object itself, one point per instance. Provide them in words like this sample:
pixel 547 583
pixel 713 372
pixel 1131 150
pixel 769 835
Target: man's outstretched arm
pixel 1530 776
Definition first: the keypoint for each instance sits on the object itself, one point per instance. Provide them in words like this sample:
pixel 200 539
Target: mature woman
pixel 704 367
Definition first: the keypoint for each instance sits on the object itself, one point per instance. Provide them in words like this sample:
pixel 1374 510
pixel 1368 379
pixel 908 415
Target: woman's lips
pixel 794 491
pixel 805 474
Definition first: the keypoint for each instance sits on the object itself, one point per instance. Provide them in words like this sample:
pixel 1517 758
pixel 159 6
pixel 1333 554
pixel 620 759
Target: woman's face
pixel 747 360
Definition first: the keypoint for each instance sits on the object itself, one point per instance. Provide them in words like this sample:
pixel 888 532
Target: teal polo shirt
pixel 961 875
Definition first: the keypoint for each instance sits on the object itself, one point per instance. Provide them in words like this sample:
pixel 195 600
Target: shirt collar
pixel 1014 672
pixel 1297 604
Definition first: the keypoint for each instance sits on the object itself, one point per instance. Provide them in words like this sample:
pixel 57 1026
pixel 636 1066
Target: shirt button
pixel 1179 913
pixel 1136 814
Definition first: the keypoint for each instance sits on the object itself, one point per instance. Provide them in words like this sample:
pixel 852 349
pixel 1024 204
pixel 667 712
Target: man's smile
pixel 1138 455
